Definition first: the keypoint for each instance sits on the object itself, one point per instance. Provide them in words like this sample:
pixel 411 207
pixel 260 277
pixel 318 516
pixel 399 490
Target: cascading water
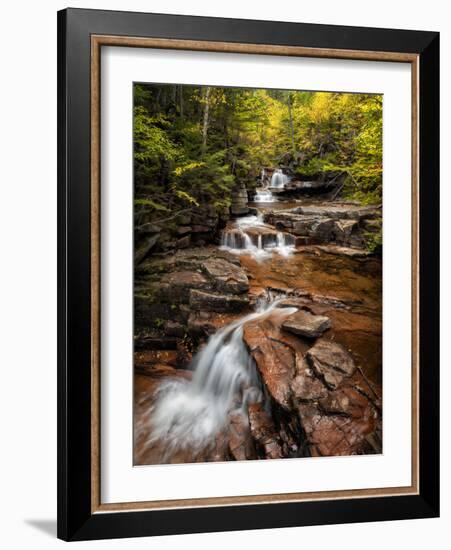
pixel 264 195
pixel 244 237
pixel 285 243
pixel 279 179
pixel 187 415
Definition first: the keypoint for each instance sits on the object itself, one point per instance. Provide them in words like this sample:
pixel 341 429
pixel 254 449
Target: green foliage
pixel 192 147
pixel 374 241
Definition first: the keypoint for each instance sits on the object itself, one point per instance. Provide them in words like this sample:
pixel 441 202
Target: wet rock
pixel 209 301
pixel 343 427
pixel 264 432
pixel 184 355
pixel 325 435
pixel 227 277
pixel 157 372
pixel 303 323
pixel 305 385
pixel 155 341
pixel 330 362
pixel 346 400
pixel 241 444
pixel 274 356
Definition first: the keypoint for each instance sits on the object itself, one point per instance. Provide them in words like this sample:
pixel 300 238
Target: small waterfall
pixel 232 239
pixel 189 414
pixel 279 179
pixel 285 243
pixel 259 245
pixel 264 195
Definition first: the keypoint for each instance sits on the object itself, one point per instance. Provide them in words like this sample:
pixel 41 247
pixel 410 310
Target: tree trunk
pixel 181 102
pixel 290 113
pixel 206 119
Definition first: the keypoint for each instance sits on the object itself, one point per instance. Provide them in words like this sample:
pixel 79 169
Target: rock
pixel 152 341
pixel 239 210
pixel 305 385
pixel 343 229
pixel 200 229
pixel 263 431
pixel 241 444
pixel 330 362
pixel 180 282
pixel 173 328
pixel 145 247
pixel 208 301
pixel 227 277
pixel 184 355
pixel 334 433
pixel 275 357
pixel 343 251
pixel 239 201
pixel 344 224
pixel 303 323
pixel 346 400
pixel 183 229
pixel 184 242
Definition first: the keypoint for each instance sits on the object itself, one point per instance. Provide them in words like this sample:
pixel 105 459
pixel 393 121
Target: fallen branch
pixel 162 220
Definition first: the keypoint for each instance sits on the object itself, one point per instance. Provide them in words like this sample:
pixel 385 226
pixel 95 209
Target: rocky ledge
pixel 322 404
pixel 346 225
pixel 188 294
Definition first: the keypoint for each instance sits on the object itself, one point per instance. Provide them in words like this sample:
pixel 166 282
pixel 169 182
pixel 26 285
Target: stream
pixel 194 418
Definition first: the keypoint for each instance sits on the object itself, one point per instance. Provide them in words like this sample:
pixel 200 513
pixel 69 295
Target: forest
pixel 193 144
pixel 257 274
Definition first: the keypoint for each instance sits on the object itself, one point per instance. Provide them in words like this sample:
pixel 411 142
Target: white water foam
pixel 187 415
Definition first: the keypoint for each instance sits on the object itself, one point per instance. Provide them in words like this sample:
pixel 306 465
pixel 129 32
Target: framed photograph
pixel 248 274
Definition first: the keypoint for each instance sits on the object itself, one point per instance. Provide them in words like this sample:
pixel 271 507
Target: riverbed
pixel 339 283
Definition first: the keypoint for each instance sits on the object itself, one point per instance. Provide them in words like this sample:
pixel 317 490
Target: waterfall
pixel 279 179
pixel 187 415
pixel 259 245
pixel 285 243
pixel 264 195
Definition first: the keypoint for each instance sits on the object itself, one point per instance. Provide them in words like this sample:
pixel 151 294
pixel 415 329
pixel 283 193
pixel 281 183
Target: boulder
pixel 343 230
pixel 178 283
pixel 209 301
pixel 227 277
pixel 274 356
pixel 341 424
pixel 330 362
pixel 304 323
pixel 305 385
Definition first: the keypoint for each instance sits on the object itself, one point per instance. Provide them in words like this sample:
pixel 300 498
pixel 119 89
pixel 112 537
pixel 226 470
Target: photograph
pixel 257 225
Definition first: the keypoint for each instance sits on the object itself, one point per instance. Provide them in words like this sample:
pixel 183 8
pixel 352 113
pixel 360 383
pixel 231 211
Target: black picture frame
pixel 76 521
